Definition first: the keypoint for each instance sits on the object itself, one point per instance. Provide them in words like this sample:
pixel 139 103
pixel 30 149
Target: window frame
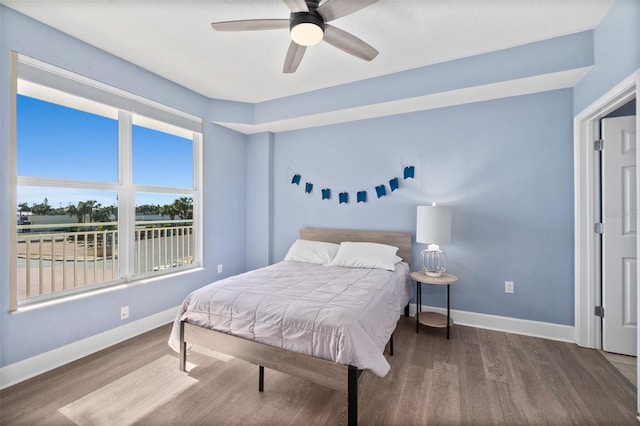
pixel 147 114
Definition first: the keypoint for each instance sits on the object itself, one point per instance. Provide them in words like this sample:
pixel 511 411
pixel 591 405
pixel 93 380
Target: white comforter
pixel 345 315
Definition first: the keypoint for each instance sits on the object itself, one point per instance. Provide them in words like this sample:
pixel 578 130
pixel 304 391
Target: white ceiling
pixel 174 39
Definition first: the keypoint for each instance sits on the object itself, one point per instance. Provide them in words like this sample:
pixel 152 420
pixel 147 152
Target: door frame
pixel 586 187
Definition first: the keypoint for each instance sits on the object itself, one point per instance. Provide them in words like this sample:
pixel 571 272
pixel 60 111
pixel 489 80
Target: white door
pixel 619 263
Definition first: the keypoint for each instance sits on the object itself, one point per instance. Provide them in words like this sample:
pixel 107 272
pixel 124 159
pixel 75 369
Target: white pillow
pixel 317 252
pixel 366 255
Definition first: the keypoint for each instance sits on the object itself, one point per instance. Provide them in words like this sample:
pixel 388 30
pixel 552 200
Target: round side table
pixel 432 319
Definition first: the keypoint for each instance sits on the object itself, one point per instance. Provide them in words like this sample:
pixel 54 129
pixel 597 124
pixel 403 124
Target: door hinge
pixel 599 311
pixel 598 228
pixel 598 145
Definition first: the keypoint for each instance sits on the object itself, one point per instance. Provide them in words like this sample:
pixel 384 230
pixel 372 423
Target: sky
pixel 62 143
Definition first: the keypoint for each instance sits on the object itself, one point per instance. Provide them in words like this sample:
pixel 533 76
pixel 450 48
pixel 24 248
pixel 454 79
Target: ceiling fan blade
pixel 348 43
pixel 251 25
pixel 334 9
pixel 293 58
pixel 297 5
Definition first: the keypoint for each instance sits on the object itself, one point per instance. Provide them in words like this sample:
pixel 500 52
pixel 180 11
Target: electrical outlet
pixel 508 286
pixel 220 268
pixel 124 312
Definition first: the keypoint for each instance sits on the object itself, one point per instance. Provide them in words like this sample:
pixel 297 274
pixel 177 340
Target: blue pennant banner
pixel 361 196
pixel 408 172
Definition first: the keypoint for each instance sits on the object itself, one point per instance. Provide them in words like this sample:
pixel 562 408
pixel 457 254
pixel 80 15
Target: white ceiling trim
pixel 487 92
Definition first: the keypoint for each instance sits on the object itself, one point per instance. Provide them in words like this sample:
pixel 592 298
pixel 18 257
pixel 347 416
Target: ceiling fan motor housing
pixel 312 17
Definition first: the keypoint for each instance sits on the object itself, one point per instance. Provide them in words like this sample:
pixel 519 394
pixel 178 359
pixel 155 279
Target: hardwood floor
pixel 626 365
pixel 478 377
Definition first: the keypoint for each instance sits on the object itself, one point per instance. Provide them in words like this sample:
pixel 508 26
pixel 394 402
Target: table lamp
pixel 433 227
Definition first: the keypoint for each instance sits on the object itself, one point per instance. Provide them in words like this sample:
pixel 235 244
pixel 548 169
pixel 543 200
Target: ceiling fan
pixel 308 26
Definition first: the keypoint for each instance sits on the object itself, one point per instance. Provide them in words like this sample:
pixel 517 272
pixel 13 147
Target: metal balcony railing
pixel 55 258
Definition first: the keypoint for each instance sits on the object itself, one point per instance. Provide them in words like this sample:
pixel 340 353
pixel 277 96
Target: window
pixel 162 164
pixel 103 195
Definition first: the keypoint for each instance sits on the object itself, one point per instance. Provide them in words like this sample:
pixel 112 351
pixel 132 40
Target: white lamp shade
pixel 433 225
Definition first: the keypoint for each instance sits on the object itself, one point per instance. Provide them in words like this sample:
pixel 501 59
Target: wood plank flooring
pixel 477 377
pixel 625 364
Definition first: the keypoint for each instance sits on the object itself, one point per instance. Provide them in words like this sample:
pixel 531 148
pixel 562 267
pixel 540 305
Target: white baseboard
pixel 23 370
pixel 564 333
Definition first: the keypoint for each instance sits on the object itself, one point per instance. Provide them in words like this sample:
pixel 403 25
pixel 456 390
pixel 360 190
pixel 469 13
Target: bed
pixel 322 323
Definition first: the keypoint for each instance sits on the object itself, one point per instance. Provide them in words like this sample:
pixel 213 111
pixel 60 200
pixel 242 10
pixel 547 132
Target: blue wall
pixel 617 53
pixel 259 198
pixel 504 167
pixel 26 334
pixel 571 52
pixel 625 110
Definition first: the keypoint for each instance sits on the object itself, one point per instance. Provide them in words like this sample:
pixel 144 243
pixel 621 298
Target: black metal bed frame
pixel 353 373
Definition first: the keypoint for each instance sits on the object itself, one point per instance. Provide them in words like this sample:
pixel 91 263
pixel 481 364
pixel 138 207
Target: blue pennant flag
pixel 308 188
pixel 326 194
pixel 381 191
pixel 393 183
pixel 344 197
pixel 362 196
pixel 296 179
pixel 408 172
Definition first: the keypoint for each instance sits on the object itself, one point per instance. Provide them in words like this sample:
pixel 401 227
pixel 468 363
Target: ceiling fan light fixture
pixel 306 28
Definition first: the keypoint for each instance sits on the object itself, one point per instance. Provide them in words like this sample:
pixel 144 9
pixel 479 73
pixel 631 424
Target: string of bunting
pixel 361 196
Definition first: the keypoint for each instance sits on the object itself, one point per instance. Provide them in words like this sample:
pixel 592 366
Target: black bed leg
pixel 352 396
pixel 391 345
pixel 260 378
pixel 183 349
pixel 406 310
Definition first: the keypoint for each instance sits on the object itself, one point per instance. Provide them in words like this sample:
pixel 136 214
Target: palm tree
pixel 102 214
pixel 72 210
pixel 83 209
pixel 42 208
pixel 169 210
pixel 147 209
pixel 184 207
